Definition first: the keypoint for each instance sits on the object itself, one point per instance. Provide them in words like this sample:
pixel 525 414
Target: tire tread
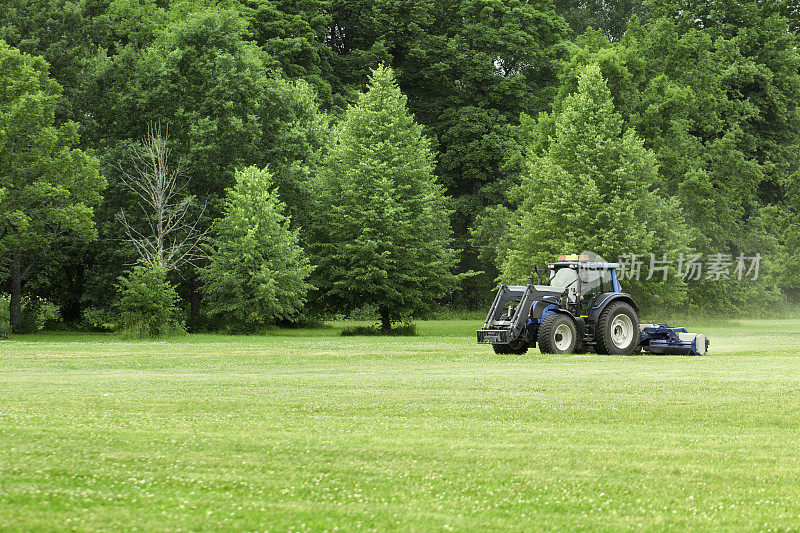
pixel 544 336
pixel 603 344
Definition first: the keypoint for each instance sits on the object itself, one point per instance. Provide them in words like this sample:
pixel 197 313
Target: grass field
pixel 306 430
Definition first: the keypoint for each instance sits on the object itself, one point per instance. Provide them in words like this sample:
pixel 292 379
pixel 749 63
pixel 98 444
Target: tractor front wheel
pixel 557 334
pixel 516 348
pixel 617 329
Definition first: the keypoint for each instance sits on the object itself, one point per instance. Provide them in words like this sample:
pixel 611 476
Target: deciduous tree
pixel 47 187
pixel 170 233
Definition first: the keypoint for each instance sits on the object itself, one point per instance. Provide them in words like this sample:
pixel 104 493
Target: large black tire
pixel 501 349
pixel 617 330
pixel 557 334
pixel 517 348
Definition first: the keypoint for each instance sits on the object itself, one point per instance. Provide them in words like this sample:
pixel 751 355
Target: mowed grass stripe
pixel 291 432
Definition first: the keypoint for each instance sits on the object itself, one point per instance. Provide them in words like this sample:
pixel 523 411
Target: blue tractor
pixel 578 306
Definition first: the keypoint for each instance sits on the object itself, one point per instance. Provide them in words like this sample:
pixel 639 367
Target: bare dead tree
pixel 169 237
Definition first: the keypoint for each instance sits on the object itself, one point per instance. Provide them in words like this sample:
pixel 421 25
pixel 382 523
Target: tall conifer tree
pixel 591 190
pixel 383 235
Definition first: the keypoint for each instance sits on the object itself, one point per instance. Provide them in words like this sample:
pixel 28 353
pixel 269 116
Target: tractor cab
pixel 583 281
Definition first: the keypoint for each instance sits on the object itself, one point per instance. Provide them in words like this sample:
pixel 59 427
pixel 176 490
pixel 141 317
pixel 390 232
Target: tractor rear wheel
pixel 617 329
pixel 557 334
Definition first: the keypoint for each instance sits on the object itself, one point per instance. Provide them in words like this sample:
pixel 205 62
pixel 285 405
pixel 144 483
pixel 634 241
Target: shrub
pixel 404 330
pixel 98 319
pixel 37 313
pixel 148 304
pixel 368 311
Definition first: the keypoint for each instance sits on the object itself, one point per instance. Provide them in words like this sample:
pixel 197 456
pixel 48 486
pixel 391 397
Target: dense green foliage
pixel 718 107
pixel 382 235
pixel 148 303
pixel 37 313
pixel 711 89
pixel 257 272
pixel 611 18
pixel 47 186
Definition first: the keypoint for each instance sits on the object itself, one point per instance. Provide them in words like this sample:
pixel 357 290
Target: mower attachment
pixel 662 339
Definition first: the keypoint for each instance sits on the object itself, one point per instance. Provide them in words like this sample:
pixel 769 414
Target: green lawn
pixel 306 430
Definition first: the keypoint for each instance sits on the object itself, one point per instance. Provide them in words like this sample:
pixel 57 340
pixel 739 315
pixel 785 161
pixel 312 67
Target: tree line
pixel 399 154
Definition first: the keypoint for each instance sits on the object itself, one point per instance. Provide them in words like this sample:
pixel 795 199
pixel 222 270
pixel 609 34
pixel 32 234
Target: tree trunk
pixel 194 299
pixel 72 309
pixel 386 324
pixel 15 306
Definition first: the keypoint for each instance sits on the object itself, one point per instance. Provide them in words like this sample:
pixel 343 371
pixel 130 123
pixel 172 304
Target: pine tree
pixel 383 234
pixel 591 190
pixel 258 271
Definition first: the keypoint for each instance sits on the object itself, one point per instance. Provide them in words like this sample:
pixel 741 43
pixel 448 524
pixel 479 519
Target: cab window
pixel 594 282
pixel 567 278
pixel 564 277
